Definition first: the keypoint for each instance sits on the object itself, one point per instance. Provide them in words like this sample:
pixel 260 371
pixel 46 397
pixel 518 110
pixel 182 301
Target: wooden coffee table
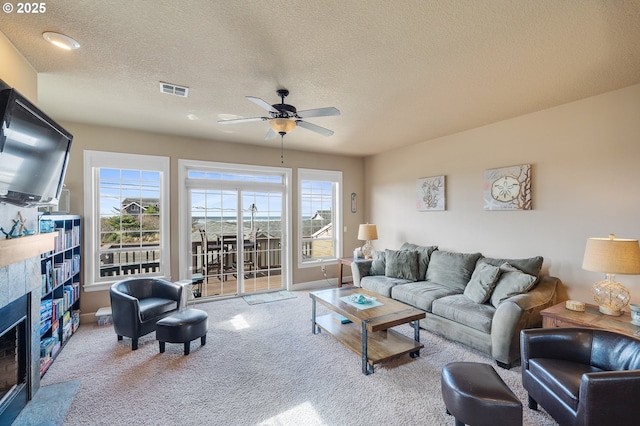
pixel 369 333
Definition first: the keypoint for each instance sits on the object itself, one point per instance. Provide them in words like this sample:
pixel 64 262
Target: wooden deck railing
pixel 134 260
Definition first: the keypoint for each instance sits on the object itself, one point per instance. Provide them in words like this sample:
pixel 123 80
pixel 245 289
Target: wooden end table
pixel 559 316
pixel 343 261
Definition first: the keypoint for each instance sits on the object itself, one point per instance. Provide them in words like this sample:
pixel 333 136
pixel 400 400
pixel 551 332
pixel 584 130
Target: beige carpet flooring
pixel 261 366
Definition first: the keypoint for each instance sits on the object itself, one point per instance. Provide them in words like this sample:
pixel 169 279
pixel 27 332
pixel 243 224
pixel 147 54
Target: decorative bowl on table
pixel 362 299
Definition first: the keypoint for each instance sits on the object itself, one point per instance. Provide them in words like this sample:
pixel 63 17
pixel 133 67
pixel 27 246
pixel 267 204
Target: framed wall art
pixel 508 188
pixel 430 193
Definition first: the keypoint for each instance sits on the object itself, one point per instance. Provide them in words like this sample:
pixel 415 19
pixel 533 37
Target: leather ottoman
pixel 476 395
pixel 182 327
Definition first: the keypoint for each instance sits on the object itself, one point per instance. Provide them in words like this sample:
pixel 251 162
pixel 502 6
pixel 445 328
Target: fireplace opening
pixel 14 347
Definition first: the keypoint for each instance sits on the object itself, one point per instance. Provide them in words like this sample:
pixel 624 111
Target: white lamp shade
pixel 612 256
pixel 367 231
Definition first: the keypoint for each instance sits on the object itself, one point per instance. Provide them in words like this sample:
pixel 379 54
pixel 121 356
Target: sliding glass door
pixel 236 233
pixel 262 221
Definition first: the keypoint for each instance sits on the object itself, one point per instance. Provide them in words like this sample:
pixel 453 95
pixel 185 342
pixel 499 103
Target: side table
pixel 187 293
pixel 342 262
pixel 559 316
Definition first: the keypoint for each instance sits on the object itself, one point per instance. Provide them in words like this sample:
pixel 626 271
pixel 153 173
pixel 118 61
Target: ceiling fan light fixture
pixel 60 40
pixel 282 126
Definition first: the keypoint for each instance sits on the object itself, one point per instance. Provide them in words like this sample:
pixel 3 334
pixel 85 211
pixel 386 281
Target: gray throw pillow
pixel 529 266
pixel 424 254
pixel 378 264
pixel 511 283
pixel 452 270
pixel 402 264
pixel 482 282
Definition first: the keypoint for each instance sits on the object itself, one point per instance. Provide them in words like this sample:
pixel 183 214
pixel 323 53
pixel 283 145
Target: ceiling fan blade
pixel 319 112
pixel 262 104
pixel 314 128
pixel 271 134
pixel 242 120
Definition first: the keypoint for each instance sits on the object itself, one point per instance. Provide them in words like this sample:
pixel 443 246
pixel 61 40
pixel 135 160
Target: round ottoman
pixel 182 327
pixel 474 394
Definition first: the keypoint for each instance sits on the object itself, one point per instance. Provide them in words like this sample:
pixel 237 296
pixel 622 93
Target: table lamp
pixel 367 232
pixel 612 256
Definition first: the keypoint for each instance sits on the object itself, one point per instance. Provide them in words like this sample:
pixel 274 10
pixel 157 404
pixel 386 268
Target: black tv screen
pixel 34 152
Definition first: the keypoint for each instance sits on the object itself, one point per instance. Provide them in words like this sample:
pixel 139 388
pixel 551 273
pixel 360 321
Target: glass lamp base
pixel 366 250
pixel 610 296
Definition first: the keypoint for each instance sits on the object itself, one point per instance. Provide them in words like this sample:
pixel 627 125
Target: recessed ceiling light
pixel 61 40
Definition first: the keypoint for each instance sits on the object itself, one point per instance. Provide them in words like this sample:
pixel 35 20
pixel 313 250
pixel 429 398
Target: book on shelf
pixel 341 319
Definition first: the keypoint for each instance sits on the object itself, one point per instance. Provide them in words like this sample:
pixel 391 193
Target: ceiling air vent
pixel 172 89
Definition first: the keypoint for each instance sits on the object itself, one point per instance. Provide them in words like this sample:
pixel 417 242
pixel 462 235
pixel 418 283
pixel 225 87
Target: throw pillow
pixel 511 283
pixel 529 266
pixel 424 254
pixel 482 282
pixel 378 264
pixel 401 264
pixel 452 270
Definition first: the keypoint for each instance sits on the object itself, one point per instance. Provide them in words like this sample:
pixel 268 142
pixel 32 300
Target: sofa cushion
pixel 531 266
pixel 378 264
pixel 512 282
pixel 424 254
pixel 153 307
pixel 460 309
pixel 401 264
pixel 482 282
pixel 420 294
pixel 452 270
pixel 562 377
pixel 381 284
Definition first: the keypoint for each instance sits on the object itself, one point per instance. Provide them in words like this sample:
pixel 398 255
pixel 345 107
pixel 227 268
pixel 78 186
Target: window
pixel 127 217
pixel 319 216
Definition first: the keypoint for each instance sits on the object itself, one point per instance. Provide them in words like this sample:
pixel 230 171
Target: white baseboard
pixel 312 285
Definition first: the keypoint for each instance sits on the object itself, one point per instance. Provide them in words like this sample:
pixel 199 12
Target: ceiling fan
pixel 284 117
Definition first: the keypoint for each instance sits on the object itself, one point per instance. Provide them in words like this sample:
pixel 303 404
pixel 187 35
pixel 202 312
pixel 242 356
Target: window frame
pixel 335 177
pixel 93 161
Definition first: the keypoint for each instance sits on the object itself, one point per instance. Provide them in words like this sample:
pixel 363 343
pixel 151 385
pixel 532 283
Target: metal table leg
pixel 416 337
pixel 366 367
pixel 314 328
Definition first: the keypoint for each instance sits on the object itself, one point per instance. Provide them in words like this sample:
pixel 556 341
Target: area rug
pixel 261 365
pixel 49 406
pixel 256 299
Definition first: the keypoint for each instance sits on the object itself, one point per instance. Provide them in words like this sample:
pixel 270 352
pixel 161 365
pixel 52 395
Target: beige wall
pixel 585 160
pixel 88 137
pixel 16 71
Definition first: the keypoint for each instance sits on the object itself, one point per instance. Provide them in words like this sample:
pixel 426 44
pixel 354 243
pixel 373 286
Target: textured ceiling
pixel 400 72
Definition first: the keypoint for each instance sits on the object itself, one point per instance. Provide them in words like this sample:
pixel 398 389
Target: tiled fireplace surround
pixel 17 280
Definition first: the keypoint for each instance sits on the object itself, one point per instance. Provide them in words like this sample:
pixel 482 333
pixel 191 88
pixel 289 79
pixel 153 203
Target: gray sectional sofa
pixel 478 301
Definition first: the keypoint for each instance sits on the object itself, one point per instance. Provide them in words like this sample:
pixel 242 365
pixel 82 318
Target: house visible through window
pixel 320 216
pixel 129 216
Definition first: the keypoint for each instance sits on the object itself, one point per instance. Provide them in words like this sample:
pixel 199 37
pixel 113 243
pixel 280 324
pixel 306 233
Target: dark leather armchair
pixel 136 305
pixel 582 376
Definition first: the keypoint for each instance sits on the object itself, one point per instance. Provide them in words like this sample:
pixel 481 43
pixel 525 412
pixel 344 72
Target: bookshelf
pixel 60 290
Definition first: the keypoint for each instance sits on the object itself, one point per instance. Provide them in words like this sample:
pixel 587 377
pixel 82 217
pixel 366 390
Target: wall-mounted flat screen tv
pixel 34 152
